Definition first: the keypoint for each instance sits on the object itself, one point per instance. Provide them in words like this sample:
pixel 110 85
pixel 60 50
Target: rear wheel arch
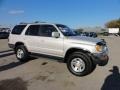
pixel 18 44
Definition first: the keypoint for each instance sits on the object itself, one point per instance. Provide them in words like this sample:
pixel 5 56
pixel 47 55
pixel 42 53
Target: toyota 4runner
pixel 82 54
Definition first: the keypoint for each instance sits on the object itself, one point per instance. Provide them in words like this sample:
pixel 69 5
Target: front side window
pixel 18 29
pixel 65 30
pixel 46 30
pixel 33 30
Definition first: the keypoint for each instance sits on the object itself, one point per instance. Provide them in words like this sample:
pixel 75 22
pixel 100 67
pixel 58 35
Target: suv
pixel 81 53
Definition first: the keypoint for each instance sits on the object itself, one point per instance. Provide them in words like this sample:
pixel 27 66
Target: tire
pixel 21 53
pixel 93 67
pixel 84 67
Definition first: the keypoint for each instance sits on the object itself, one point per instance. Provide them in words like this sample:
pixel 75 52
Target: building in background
pixel 113 30
pixel 93 29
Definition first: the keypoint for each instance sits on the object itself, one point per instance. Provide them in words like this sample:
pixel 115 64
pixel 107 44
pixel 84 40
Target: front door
pixel 50 45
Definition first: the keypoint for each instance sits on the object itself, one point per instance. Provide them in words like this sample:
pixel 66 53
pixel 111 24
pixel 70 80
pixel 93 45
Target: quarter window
pixel 18 29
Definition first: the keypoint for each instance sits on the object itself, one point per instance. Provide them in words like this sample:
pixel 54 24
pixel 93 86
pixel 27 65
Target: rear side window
pixel 33 30
pixel 18 29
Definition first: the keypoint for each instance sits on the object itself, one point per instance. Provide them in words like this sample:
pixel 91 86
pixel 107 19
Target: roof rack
pixel 32 22
pixel 39 22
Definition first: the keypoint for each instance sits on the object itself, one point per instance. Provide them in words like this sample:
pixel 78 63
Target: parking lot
pixel 49 74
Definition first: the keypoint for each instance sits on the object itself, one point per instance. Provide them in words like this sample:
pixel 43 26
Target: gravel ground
pixel 49 74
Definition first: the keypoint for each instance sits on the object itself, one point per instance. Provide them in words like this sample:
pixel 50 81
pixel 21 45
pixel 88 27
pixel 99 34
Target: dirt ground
pixel 49 74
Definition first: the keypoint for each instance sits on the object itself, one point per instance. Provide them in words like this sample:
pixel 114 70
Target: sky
pixel 74 13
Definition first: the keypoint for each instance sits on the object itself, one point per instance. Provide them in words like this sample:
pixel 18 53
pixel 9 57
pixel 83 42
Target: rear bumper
pixel 3 37
pixel 11 46
pixel 100 59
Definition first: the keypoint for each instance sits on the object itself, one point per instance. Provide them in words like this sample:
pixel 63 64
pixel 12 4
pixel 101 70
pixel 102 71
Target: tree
pixel 113 24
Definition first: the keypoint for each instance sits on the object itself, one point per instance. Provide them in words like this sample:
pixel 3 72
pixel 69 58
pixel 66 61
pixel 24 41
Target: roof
pixel 36 23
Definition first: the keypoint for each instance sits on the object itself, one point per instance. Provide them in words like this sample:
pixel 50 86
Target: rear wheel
pixel 80 64
pixel 21 53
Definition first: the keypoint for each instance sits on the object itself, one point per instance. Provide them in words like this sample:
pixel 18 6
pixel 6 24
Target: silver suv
pixel 81 53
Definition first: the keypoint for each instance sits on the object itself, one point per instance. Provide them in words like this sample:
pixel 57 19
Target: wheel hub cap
pixel 78 65
pixel 20 53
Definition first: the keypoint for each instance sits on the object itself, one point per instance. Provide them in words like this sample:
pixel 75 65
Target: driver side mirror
pixel 55 34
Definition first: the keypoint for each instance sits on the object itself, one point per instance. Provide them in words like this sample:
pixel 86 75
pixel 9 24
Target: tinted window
pixel 46 30
pixel 18 29
pixel 33 30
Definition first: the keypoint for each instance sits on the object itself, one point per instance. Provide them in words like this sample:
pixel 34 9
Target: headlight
pixel 99 48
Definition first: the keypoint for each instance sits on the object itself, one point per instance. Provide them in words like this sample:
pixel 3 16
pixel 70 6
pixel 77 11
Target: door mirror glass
pixel 55 34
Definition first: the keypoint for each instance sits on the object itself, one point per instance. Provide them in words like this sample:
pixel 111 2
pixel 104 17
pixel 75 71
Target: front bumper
pixel 101 59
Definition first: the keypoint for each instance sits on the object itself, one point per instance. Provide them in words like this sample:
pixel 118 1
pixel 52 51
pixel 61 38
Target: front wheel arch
pixel 72 50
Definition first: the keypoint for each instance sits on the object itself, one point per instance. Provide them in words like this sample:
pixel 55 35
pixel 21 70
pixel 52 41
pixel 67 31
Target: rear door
pixel 32 39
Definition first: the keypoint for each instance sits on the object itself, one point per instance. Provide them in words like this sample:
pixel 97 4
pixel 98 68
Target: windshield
pixel 66 30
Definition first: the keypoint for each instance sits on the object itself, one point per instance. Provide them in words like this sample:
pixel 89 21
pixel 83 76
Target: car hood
pixel 84 40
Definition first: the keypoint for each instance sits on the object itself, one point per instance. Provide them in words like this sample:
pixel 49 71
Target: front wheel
pixel 79 64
